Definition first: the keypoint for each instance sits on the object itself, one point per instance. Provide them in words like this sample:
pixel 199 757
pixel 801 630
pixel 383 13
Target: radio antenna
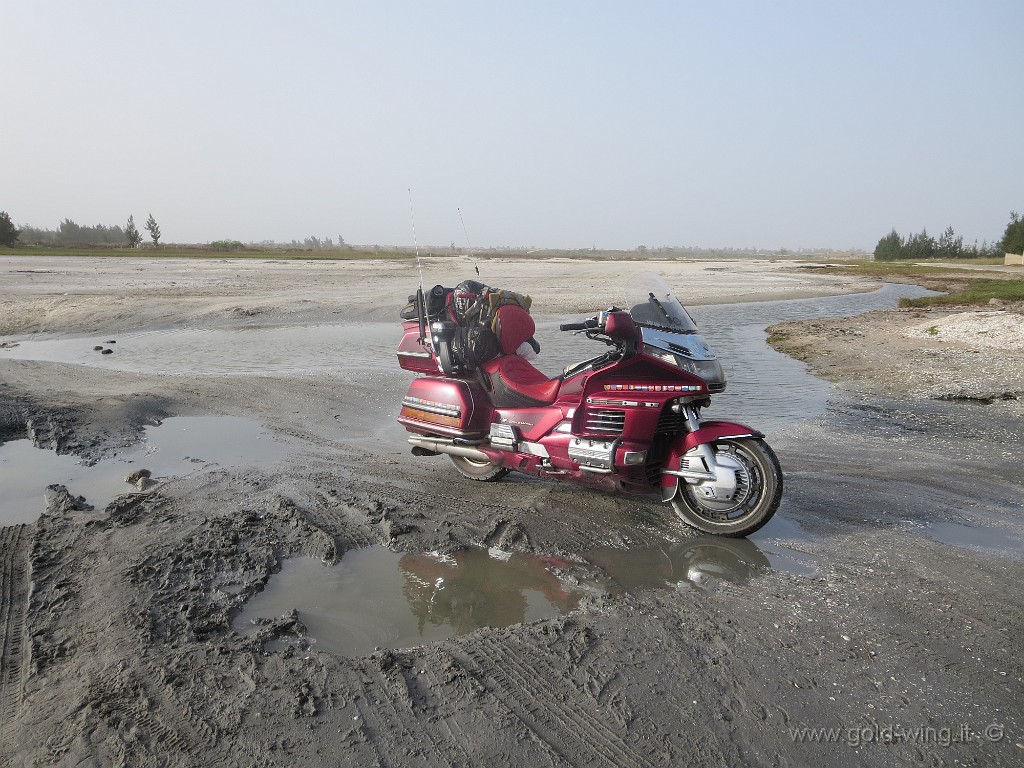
pixel 468 244
pixel 415 242
pixel 421 305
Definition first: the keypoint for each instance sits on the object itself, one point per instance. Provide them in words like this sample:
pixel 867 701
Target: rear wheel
pixel 485 471
pixel 757 496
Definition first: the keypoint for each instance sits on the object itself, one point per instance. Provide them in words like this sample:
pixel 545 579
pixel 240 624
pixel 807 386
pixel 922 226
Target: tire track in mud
pixel 537 693
pixel 456 694
pixel 126 708
pixel 15 579
pixel 393 713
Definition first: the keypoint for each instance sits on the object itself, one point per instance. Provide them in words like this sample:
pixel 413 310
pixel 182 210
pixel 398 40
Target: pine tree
pixel 154 229
pixel 8 232
pixel 1013 237
pixel 890 247
pixel 132 233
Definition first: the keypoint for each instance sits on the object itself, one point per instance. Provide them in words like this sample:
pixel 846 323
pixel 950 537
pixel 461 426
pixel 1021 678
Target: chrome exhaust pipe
pixel 443 445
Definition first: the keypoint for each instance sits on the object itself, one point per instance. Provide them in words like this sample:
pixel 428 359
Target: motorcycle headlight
pixel 709 370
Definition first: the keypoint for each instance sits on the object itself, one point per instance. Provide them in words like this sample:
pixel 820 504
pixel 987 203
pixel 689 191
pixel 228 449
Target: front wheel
pixel 757 496
pixel 486 471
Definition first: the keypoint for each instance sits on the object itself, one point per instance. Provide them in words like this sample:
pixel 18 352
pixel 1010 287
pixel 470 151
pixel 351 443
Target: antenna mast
pixel 421 305
pixel 468 244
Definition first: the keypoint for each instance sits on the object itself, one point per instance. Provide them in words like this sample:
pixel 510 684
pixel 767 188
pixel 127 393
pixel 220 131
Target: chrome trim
pixel 593 454
pixel 690 477
pixel 610 421
pixel 415 354
pixel 503 436
pixel 534 449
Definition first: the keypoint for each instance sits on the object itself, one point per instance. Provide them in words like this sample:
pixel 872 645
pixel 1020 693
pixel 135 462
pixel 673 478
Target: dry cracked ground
pixel 896 642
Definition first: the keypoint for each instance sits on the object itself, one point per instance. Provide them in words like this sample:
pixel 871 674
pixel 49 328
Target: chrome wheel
pixel 756 496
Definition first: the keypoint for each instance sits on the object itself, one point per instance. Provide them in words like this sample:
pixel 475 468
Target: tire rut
pixel 535 691
pixel 15 579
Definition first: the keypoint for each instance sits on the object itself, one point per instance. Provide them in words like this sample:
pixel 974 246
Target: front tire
pixel 484 471
pixel 759 491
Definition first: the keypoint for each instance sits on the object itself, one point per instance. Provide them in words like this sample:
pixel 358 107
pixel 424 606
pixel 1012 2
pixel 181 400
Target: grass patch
pixel 887 270
pixel 960 285
pixel 974 292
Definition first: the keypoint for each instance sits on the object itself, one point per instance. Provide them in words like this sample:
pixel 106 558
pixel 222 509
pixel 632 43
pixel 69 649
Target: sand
pixel 118 646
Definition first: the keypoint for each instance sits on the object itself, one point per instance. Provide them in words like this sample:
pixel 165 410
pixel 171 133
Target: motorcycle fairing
pixel 531 423
pixel 638 389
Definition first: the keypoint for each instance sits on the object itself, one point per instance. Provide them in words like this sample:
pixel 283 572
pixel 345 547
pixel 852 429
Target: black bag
pixel 474 346
pixel 436 299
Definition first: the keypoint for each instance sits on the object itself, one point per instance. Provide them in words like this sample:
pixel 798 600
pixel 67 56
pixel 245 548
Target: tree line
pixel 69 233
pixel 949 245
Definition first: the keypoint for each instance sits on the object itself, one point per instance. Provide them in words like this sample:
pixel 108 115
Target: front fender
pixel 709 432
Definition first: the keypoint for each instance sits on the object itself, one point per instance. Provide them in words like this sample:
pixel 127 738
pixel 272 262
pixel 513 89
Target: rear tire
pixel 483 471
pixel 758 498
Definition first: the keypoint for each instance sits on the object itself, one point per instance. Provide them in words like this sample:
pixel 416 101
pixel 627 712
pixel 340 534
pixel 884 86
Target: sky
pixel 559 124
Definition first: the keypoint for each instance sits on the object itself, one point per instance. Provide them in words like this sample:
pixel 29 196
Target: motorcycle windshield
pixel 652 303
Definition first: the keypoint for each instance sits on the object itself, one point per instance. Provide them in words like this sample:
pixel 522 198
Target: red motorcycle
pixel 627 420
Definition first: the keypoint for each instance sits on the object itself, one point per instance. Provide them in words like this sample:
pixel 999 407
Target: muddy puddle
pixel 992 540
pixel 176 447
pixel 375 598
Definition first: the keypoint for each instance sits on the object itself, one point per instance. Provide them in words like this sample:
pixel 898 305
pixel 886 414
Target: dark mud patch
pixel 90 429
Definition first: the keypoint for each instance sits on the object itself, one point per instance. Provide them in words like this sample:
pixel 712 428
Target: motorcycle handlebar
pixel 586 324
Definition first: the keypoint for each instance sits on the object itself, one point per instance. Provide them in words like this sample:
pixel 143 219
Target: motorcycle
pixel 628 420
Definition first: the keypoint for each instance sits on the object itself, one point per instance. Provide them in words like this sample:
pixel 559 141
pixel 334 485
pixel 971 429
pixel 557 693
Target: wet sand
pixel 117 623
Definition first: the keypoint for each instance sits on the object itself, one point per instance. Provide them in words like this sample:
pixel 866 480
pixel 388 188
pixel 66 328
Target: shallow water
pixel 994 540
pixel 378 598
pixel 375 598
pixel 289 349
pixel 735 330
pixel 179 446
pixel 766 389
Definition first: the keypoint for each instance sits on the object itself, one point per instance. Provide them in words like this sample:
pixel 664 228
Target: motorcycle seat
pixel 514 383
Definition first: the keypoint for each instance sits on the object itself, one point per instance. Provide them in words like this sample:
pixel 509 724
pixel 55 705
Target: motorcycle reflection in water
pixel 704 562
pixel 476 588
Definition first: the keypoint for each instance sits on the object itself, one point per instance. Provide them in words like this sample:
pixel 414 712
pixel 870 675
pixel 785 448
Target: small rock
pixel 996 302
pixel 107 352
pixel 97 348
pixel 137 477
pixel 112 341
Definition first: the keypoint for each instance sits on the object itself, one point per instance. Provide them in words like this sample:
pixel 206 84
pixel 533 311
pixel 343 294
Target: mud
pixel 118 623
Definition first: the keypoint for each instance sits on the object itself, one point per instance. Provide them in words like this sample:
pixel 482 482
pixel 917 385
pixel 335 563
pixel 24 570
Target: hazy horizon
pixel 791 125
